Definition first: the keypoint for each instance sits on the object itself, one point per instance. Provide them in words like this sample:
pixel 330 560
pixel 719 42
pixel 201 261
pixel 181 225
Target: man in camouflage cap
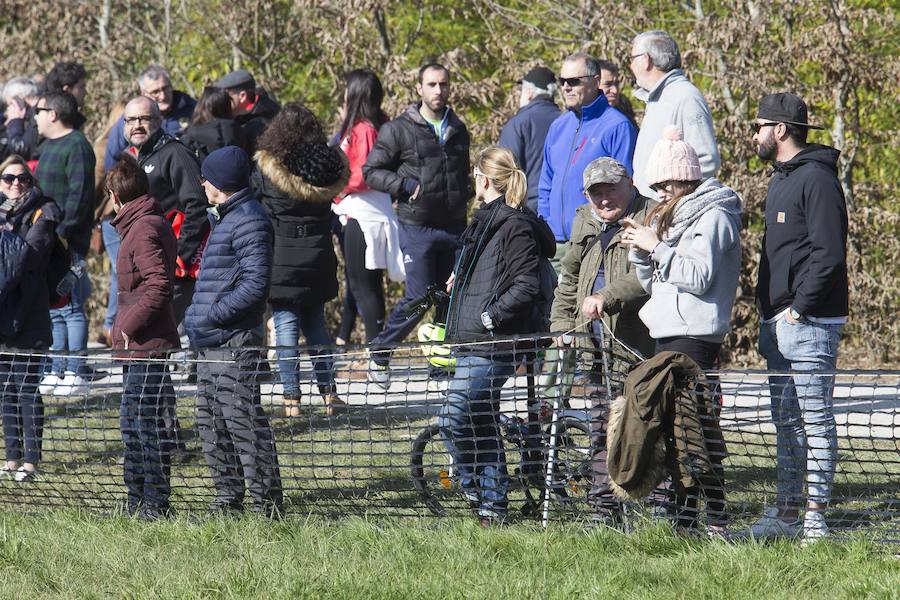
pixel 598 282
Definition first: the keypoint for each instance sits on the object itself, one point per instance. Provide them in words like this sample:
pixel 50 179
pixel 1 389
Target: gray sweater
pixel 693 284
pixel 674 100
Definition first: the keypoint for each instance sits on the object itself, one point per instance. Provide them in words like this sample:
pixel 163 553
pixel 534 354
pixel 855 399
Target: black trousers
pixel 683 503
pixel 235 434
pixel 23 408
pixel 365 284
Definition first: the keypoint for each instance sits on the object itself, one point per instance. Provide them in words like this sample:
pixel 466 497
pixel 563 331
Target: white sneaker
pixel 23 475
pixel 380 376
pixel 770 526
pixel 815 528
pixel 48 384
pixel 72 385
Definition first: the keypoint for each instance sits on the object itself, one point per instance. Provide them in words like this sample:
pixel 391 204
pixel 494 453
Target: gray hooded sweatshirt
pixel 692 275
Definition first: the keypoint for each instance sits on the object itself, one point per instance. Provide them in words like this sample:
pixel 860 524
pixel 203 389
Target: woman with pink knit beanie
pixel 688 257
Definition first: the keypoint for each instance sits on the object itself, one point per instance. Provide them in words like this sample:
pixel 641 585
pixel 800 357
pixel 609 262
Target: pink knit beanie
pixel 672 159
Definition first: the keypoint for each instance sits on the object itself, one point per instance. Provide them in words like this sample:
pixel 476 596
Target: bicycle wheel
pixel 572 465
pixel 431 468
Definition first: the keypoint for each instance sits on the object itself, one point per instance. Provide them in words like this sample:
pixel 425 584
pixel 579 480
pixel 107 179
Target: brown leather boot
pixel 333 404
pixel 292 406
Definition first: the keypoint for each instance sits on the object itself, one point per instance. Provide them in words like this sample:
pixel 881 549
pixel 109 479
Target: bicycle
pixel 554 459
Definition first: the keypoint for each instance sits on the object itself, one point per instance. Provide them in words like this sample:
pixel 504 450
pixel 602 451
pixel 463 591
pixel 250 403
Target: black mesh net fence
pixel 504 431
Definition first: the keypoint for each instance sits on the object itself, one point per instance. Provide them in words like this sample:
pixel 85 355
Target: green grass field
pixel 77 555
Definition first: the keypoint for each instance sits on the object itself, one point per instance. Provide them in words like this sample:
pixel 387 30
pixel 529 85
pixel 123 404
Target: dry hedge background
pixel 840 55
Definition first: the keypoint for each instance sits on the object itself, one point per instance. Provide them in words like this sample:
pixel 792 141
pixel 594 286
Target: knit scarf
pixel 13 211
pixel 709 196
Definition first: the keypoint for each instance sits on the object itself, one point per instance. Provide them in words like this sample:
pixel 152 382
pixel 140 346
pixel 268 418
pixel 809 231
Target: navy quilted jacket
pixel 235 273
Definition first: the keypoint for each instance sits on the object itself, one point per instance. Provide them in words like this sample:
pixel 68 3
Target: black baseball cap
pixel 785 108
pixel 540 77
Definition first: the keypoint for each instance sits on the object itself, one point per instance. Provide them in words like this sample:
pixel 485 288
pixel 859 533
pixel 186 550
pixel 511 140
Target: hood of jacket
pixel 294 185
pixel 813 153
pixel 134 210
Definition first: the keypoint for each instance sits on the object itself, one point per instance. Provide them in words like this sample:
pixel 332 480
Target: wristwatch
pixel 487 321
pixel 794 314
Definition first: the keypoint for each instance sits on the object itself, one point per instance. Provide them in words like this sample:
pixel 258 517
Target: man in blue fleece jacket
pixel 589 129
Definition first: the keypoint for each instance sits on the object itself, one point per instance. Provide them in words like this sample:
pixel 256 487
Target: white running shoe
pixel 48 384
pixel 815 528
pixel 771 526
pixel 23 475
pixel 72 385
pixel 380 376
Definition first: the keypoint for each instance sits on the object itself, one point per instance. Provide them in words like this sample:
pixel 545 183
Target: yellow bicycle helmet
pixel 437 354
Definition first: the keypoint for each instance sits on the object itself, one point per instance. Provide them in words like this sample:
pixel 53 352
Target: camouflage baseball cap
pixel 604 170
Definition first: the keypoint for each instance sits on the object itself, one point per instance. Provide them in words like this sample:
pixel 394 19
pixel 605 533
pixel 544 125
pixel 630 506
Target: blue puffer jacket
pixel 235 273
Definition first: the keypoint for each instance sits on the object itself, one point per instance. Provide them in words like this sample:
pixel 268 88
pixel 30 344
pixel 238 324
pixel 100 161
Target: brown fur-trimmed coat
pixel 664 424
pixel 304 271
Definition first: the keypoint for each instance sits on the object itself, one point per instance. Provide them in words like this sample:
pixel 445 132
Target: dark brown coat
pixel 146 273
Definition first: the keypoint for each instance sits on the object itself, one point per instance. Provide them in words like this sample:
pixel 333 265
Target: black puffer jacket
pixel 174 176
pixel 498 272
pixel 218 133
pixel 408 149
pixel 24 297
pixel 256 121
pixel 298 200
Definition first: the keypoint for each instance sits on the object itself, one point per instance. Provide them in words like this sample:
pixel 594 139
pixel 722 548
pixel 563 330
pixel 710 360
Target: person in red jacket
pixel 144 328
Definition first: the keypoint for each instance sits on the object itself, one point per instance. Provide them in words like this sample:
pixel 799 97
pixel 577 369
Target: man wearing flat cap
pixel 802 295
pixel 597 281
pixel 251 107
pixel 524 134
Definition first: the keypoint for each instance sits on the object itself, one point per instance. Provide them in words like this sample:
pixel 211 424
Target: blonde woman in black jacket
pixel 494 290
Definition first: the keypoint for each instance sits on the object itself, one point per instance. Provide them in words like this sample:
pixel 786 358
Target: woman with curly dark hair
pixel 297 176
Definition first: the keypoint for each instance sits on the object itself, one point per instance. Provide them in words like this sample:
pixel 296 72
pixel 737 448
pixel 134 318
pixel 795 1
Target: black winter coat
pixel 407 148
pixel 304 270
pixel 255 122
pixel 218 133
pixel 24 296
pixel 804 257
pixel 174 176
pixel 498 272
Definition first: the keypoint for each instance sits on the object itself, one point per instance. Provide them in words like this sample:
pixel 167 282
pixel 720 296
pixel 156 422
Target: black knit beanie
pixel 317 164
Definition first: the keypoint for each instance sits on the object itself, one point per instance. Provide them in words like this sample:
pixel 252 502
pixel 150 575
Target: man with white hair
pixel 525 133
pixel 18 132
pixel 671 100
pixel 175 107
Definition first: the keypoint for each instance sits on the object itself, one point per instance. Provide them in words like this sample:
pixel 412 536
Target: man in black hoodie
pixel 803 301
pixel 421 159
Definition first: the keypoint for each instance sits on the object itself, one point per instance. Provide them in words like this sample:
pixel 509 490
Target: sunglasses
pixel 9 178
pixel 757 126
pixel 573 81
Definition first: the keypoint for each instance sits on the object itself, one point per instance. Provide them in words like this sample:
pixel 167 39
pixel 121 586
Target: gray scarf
pixel 710 195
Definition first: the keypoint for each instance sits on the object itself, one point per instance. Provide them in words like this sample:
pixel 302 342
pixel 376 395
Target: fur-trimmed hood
pixel 295 186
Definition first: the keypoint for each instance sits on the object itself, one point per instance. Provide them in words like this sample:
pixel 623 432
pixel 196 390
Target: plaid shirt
pixel 65 173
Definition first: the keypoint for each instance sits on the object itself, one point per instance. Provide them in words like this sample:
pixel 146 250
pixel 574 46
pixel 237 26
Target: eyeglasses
pixel 145 119
pixel 9 178
pixel 757 126
pixel 634 56
pixel 573 81
pixel 665 187
pixel 38 109
pixel 158 91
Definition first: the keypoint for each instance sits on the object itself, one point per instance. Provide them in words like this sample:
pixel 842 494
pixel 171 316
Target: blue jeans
pixel 70 329
pixel 289 322
pixel 470 426
pixel 802 406
pixel 147 439
pixel 23 409
pixel 111 242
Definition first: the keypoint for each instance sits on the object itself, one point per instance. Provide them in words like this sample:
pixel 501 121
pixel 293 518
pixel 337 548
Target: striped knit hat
pixel 672 159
